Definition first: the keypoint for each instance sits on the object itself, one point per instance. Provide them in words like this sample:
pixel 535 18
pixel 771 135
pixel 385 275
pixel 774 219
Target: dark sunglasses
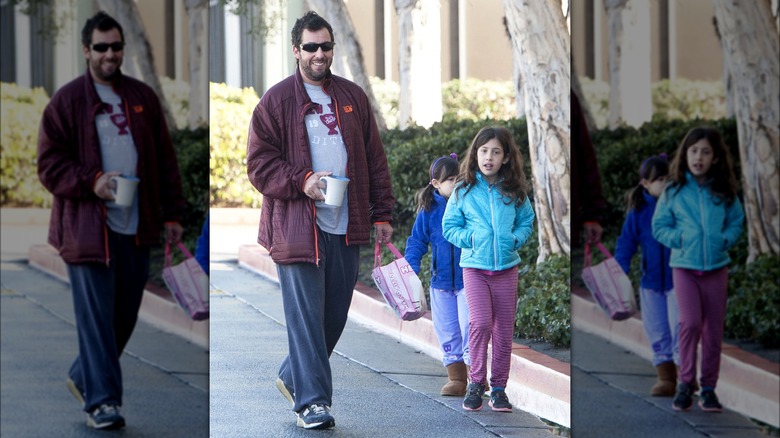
pixel 313 47
pixel 103 47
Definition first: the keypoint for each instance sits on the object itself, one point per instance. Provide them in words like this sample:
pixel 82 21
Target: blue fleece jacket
pixel 487 226
pixel 445 272
pixel 696 225
pixel 637 230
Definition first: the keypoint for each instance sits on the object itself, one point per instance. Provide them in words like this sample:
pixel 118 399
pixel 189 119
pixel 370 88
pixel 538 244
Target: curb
pixel 158 308
pixel 748 384
pixel 537 383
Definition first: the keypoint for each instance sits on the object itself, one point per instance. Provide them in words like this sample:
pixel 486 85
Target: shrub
pixel 20 114
pixel 544 302
pixel 230 111
pixel 754 297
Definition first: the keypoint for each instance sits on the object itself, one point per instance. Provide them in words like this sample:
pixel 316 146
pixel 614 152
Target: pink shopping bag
pixel 188 284
pixel 399 285
pixel 609 285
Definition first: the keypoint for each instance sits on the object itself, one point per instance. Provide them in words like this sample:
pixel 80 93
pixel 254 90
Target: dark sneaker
pixel 286 391
pixel 709 402
pixel 473 400
pixel 105 417
pixel 75 391
pixel 683 400
pixel 499 401
pixel 316 416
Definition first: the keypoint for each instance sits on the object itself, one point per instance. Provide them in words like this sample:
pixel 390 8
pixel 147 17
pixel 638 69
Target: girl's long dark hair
pixel 723 182
pixel 651 169
pixel 442 169
pixel 514 184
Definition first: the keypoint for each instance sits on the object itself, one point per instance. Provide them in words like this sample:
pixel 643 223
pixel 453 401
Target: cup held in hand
pixel 335 187
pixel 124 191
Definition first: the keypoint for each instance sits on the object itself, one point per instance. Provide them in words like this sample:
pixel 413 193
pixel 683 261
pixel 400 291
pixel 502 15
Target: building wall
pixel 683 40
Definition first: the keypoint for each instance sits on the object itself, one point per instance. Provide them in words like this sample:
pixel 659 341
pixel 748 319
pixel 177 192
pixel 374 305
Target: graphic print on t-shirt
pixel 115 115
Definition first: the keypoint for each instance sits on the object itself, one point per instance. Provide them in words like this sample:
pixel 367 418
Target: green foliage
pixel 543 304
pixel 230 111
pixel 754 297
pixel 678 99
pixel 20 115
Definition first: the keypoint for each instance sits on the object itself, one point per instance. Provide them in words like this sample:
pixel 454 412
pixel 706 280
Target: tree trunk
pixel 348 51
pixel 750 47
pixel 197 16
pixel 419 30
pixel 541 42
pixel 138 59
pixel 630 99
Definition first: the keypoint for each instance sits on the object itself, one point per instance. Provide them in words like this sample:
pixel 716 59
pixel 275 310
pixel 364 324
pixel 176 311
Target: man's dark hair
pixel 310 21
pixel 102 22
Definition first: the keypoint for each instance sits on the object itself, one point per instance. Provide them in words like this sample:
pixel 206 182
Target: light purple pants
pixel 701 299
pixel 492 302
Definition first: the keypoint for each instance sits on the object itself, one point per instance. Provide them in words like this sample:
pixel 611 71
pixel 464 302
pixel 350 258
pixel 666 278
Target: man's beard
pixel 311 74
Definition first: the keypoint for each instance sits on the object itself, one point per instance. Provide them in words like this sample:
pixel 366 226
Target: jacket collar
pixel 692 179
pixel 91 92
pixel 650 199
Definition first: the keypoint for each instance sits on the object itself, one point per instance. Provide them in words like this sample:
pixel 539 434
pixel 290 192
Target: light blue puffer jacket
pixel 489 230
pixel 697 226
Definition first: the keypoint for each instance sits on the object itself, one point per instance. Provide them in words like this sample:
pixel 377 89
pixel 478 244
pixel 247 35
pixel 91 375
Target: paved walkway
pixel 382 388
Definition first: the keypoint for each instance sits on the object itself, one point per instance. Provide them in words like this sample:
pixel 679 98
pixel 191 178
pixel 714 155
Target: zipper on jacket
pixel 346 150
pixel 703 230
pixel 493 225
pixel 316 236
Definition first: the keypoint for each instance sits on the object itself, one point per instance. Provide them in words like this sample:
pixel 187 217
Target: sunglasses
pixel 103 47
pixel 313 47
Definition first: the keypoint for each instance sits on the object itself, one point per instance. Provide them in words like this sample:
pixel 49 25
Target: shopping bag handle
pixel 182 248
pixel 378 253
pixel 601 248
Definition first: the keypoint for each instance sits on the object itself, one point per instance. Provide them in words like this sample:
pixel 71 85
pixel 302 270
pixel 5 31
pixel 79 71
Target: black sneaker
pixel 77 393
pixel 499 401
pixel 105 417
pixel 683 400
pixel 316 416
pixel 709 402
pixel 286 391
pixel 473 400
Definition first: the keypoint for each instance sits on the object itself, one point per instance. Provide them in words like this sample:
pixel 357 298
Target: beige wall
pixel 694 50
pixel 155 17
pixel 488 50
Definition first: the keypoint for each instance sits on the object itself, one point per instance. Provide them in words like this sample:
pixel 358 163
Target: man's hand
pixel 313 186
pixel 593 232
pixel 383 232
pixel 173 232
pixel 104 186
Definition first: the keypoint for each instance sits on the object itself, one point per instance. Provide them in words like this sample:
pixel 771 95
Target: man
pixel 99 126
pixel 587 201
pixel 313 124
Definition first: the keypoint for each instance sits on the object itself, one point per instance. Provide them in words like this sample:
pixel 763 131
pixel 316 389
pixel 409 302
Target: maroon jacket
pixel 69 163
pixel 279 161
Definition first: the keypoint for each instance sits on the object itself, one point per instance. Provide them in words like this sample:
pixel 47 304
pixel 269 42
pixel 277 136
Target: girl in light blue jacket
pixel 490 217
pixel 699 217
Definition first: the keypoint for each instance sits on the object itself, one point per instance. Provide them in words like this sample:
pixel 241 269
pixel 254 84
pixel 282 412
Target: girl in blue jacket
pixel 449 311
pixel 658 302
pixel 699 217
pixel 490 217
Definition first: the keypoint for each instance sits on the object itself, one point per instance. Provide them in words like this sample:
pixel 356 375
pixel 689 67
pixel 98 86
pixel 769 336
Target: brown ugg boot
pixel 458 377
pixel 667 380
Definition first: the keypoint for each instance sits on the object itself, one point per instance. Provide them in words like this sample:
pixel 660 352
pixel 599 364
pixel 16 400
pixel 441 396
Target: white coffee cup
pixel 124 191
pixel 335 187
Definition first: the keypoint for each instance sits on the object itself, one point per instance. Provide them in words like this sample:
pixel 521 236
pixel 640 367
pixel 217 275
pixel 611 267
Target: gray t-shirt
pixel 327 154
pixel 118 152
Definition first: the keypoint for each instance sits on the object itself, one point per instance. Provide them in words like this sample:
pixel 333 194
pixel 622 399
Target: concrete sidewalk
pixel 165 377
pixel 382 387
pixel 612 374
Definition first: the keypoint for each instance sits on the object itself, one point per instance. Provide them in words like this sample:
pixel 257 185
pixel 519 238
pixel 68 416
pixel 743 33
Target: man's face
pixel 314 65
pixel 104 65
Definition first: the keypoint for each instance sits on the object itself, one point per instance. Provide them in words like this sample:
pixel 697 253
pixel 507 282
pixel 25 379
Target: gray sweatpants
pixel 316 303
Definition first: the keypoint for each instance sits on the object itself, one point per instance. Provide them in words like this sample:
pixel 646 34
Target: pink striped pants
pixel 492 302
